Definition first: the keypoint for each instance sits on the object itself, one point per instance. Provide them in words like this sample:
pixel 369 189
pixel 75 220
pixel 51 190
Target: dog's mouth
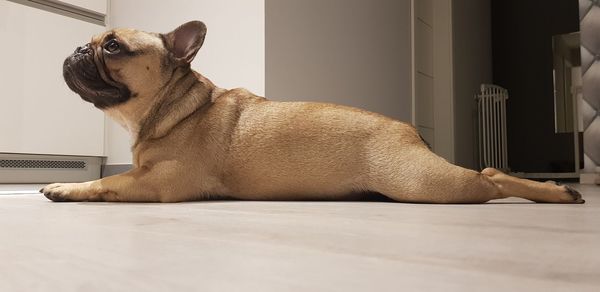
pixel 82 74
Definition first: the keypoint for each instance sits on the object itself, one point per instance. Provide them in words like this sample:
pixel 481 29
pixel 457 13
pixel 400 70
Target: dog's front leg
pixel 140 184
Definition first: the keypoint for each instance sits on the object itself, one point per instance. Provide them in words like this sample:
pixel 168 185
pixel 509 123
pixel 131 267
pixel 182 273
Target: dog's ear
pixel 185 41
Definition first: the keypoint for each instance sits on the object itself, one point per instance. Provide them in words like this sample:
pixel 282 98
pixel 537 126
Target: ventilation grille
pixel 46 164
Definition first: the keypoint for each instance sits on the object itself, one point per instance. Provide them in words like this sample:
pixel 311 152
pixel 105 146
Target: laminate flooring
pixel 505 245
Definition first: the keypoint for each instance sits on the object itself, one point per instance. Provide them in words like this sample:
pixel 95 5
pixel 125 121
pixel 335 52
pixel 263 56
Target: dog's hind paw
pixel 576 195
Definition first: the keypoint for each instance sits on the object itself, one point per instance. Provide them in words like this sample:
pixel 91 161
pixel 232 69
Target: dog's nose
pixel 83 50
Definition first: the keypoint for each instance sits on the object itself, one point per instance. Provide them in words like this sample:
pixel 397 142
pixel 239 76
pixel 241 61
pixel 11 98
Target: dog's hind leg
pixel 418 175
pixel 433 180
pixel 532 190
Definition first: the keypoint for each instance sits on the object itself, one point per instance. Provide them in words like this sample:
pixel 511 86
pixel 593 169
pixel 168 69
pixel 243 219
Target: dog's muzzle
pixel 81 73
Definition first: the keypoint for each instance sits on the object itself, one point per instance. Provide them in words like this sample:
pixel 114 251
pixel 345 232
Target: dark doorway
pixel 522 35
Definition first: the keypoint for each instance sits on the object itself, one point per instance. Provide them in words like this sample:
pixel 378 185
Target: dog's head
pixel 122 64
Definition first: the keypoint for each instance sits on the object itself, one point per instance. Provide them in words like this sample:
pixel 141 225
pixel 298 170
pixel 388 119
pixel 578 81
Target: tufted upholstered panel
pixel 589 16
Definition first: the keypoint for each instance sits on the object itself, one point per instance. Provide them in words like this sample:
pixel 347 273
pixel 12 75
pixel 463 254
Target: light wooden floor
pixel 298 246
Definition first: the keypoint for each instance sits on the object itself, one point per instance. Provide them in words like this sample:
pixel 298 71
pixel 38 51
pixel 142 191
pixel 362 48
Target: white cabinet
pixel 93 5
pixel 38 112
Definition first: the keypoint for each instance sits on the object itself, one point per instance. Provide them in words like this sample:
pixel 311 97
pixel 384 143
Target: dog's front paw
pixel 66 192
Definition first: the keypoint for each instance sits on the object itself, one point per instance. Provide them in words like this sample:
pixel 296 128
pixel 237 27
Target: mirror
pixel 567 80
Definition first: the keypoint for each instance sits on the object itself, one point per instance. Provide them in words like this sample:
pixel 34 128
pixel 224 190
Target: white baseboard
pixel 589 178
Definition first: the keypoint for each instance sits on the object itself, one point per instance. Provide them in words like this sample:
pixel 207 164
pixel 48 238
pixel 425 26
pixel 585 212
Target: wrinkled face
pixel 116 66
pixel 122 64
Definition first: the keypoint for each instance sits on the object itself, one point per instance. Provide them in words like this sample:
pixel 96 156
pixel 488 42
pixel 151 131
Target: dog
pixel 196 141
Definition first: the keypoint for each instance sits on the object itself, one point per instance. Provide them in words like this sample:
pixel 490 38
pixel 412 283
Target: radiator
pixel 491 108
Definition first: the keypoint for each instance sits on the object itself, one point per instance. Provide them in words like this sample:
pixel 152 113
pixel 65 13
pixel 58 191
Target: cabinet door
pixel 38 112
pixel 93 5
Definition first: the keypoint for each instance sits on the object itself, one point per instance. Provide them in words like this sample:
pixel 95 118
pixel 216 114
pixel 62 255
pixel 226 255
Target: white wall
pixel 351 52
pixel 233 54
pixel 472 53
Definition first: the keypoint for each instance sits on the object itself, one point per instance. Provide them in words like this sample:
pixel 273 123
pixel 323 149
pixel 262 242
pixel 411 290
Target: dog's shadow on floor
pixel 512 203
pixel 355 198
pixel 379 198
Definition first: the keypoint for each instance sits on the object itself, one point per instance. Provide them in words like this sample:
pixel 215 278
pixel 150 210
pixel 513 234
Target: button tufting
pixel 591 104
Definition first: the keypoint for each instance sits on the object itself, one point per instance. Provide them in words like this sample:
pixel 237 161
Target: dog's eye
pixel 112 46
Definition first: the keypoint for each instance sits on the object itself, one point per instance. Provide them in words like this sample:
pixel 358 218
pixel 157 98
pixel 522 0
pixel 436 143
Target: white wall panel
pixel 424 11
pixel 424 73
pixel 424 102
pixel 38 113
pixel 424 48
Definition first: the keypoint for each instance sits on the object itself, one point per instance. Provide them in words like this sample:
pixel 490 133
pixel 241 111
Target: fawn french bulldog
pixel 194 140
